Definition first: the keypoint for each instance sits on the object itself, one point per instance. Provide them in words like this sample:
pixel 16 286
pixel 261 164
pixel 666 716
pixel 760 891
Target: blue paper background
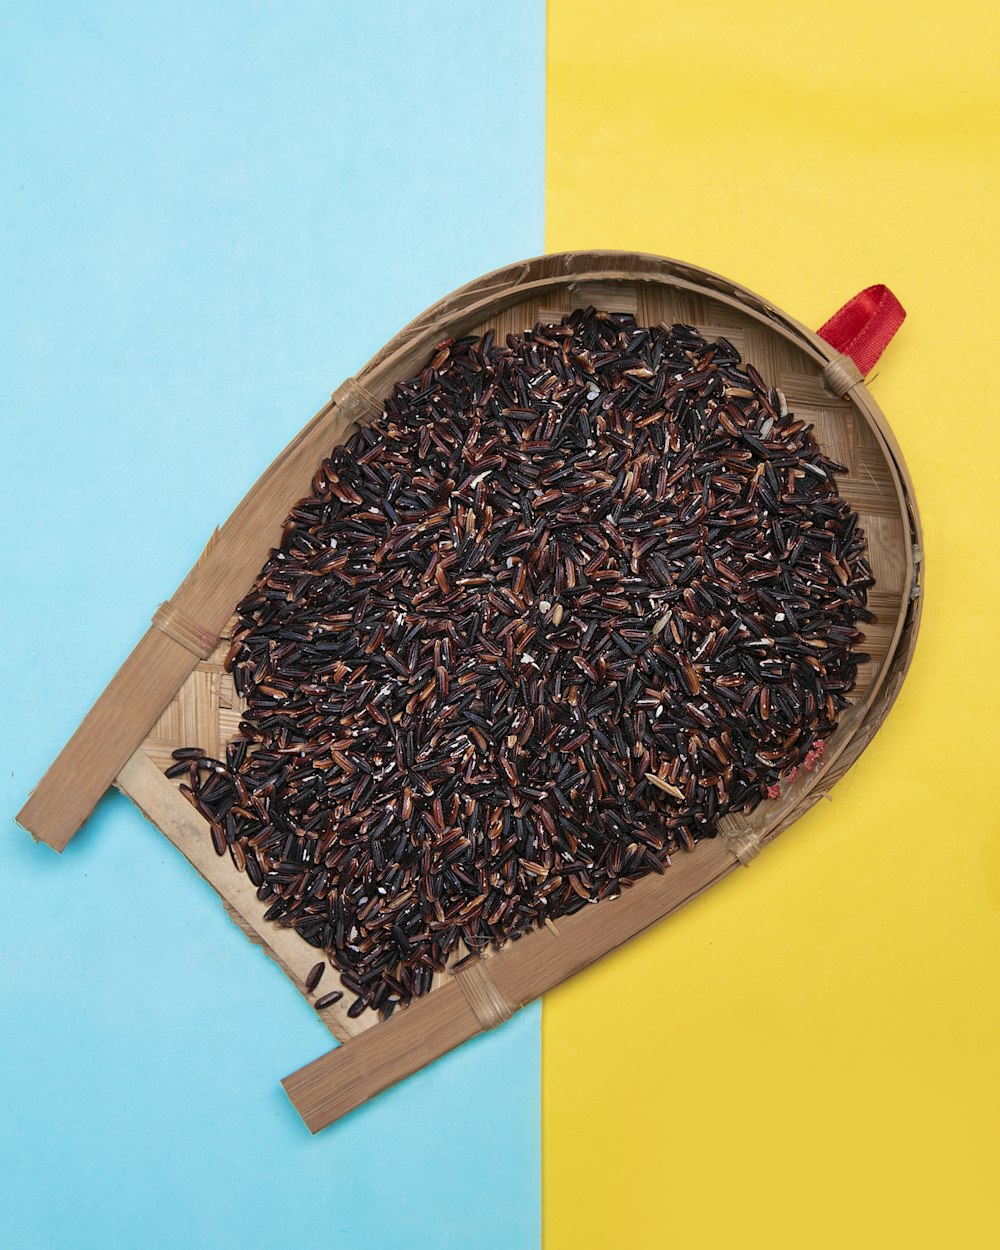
pixel 212 215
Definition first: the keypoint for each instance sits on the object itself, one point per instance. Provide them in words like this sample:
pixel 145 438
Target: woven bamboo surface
pixel 174 690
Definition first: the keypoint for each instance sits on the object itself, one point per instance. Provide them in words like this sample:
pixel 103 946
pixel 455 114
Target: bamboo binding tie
pixel 355 400
pixel 170 620
pixel 841 374
pixel 482 995
pixel 745 845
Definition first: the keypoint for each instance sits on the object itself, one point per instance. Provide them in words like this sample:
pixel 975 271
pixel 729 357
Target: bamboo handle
pixel 108 735
pixel 491 989
pixel 364 1066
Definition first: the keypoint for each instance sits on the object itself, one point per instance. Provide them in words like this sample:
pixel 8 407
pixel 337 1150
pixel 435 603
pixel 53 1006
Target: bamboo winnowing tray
pixel 174 691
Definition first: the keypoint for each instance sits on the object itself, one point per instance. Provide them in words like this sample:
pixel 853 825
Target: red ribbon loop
pixel 863 328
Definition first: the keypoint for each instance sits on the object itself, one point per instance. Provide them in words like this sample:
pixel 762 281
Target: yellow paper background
pixel 807 1056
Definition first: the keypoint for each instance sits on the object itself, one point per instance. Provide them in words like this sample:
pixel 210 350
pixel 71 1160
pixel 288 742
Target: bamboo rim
pixel 107 746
